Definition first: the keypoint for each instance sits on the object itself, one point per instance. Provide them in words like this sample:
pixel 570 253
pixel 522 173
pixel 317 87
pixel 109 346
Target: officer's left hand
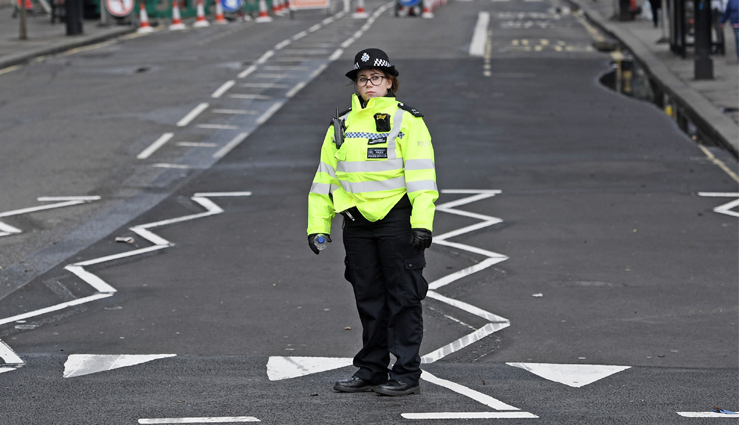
pixel 312 243
pixel 421 239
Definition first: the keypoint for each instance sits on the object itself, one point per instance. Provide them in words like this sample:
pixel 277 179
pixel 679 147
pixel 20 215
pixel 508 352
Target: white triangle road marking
pixel 6 369
pixel 292 367
pixel 85 364
pixel 573 375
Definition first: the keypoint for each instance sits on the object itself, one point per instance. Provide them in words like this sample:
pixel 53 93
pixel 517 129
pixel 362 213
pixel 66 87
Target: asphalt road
pixel 595 249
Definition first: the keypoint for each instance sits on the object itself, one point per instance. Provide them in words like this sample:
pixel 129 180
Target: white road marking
pixel 285 68
pixel 146 153
pixel 470 415
pixel 231 145
pixel 192 114
pixel 707 415
pixel 206 420
pixel 65 201
pixel 337 53
pixel 86 364
pixel 572 375
pixel 272 75
pixel 265 56
pixel 315 28
pixel 6 369
pixel 279 368
pixel 250 96
pixel 478 44
pixel 265 85
pixel 218 126
pixel 247 71
pixel 268 113
pixel 295 89
pixel 221 90
pixel 493 318
pixel 463 342
pixel 234 111
pixel 328 20
pixel 467 392
pixel 724 208
pixel 221 194
pixel 282 44
pixel 165 165
pixel 8 355
pixel 197 144
pixel 53 308
pixel 67 198
pixel 299 35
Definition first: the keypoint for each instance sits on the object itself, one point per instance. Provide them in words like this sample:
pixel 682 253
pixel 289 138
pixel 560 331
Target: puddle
pixel 628 78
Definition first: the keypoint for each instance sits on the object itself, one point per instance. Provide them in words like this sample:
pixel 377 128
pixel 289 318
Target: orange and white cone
pixel 176 19
pixel 360 12
pixel 427 10
pixel 263 16
pixel 144 26
pixel 219 20
pixel 200 17
pixel 282 7
pixel 275 7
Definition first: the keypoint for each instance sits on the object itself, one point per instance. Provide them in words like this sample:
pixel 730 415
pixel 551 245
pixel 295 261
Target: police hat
pixel 370 59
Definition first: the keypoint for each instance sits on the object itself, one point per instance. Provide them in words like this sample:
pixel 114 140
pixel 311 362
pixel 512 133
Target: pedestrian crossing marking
pixel 572 375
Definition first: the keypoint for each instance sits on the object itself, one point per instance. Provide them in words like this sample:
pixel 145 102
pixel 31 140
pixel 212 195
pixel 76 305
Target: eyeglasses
pixel 374 80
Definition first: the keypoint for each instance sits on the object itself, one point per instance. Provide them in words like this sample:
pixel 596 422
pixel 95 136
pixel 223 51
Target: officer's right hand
pixel 312 243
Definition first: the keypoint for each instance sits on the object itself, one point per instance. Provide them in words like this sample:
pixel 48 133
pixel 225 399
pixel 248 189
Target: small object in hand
pixel 127 239
pixel 317 242
pixel 347 328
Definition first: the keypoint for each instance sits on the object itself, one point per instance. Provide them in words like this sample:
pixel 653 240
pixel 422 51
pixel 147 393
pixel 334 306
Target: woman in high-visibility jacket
pixel 380 176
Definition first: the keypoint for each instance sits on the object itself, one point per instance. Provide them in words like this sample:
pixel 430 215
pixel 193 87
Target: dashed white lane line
pixel 315 28
pixel 295 89
pixel 250 96
pixel 282 44
pixel 269 112
pixel 146 153
pixel 247 71
pixel 478 44
pixel 265 56
pixel 192 114
pixel 299 35
pixel 166 165
pixel 470 415
pixel 234 112
pixel 219 126
pixel 224 87
pixel 708 415
pixel 231 145
pixel 197 144
pixel 205 420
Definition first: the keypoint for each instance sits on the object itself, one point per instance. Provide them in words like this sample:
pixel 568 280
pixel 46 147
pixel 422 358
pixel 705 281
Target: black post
pixel 624 11
pixel 703 66
pixel 73 16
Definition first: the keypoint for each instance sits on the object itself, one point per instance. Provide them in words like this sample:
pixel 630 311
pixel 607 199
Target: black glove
pixel 312 244
pixel 421 239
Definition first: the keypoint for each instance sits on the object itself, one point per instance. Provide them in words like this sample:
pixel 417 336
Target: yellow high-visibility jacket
pixel 387 153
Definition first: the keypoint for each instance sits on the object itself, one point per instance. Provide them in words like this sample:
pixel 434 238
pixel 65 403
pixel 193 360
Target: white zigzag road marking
pixel 104 289
pixel 724 208
pixel 62 201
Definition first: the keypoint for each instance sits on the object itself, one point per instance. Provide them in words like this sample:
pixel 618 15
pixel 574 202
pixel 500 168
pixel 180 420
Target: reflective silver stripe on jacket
pixel 326 168
pixel 397 121
pixel 323 188
pixel 421 185
pixel 374 186
pixel 369 166
pixel 419 164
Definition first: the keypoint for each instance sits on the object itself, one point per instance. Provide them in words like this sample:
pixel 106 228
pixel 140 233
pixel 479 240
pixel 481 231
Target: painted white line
pixel 7 229
pixel 279 368
pixel 165 165
pixel 8 355
pixel 478 44
pixel 247 71
pixel 463 342
pixel 197 144
pixel 720 194
pixel 318 71
pixel 221 194
pixel 337 53
pixel 67 198
pixel 295 89
pixel 315 28
pixel 285 68
pixel 207 420
pixel 473 249
pixel 282 44
pixel 268 113
pixel 231 145
pixel 727 208
pixel 218 126
pixel 234 111
pixel 250 96
pixel 572 375
pixel 707 415
pixel 467 229
pixel 6 369
pixel 328 20
pixel 348 42
pixel 40 208
pixel 299 35
pixel 467 307
pixel 221 90
pixel 53 308
pixel 86 364
pixel 467 392
pixel 267 55
pixel 265 85
pixel 446 280
pixel 470 415
pixel 470 214
pixel 272 75
pixel 146 153
pixel 192 114
pixel 92 280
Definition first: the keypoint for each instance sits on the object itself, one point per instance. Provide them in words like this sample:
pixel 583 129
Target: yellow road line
pixel 718 163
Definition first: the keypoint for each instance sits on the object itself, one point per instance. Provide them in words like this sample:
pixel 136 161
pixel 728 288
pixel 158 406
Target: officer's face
pixel 372 83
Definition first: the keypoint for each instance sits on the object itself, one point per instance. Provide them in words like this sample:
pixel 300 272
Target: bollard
pixel 703 65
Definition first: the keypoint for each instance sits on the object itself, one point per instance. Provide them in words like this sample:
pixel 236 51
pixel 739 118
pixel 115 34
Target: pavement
pixel 706 99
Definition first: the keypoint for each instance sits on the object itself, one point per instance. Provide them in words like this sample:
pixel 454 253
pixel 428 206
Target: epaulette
pixel 410 110
pixel 341 114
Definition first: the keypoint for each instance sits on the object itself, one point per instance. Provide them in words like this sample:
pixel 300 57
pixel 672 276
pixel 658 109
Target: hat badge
pixel 365 57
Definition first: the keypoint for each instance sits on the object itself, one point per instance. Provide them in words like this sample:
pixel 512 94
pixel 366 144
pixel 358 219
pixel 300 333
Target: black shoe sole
pixel 341 389
pixel 381 391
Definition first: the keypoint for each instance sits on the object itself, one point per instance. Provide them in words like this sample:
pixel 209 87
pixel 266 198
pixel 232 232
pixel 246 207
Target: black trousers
pixel 386 274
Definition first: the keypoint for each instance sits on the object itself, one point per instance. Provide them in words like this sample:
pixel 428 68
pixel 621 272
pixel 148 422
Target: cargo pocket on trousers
pixel 415 266
pixel 347 271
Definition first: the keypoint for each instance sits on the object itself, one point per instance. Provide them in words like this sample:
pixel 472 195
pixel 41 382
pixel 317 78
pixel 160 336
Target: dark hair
pixel 394 81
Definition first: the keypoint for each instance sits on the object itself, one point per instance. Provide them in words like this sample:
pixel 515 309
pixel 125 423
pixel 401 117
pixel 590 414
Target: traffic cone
pixel 220 20
pixel 176 19
pixel 275 7
pixel 282 7
pixel 427 10
pixel 200 16
pixel 144 26
pixel 263 16
pixel 360 12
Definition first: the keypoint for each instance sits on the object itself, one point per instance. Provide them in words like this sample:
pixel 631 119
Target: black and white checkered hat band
pixel 378 62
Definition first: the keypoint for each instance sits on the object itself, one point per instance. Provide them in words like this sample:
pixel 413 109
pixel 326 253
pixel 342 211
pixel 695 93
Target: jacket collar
pixel 372 103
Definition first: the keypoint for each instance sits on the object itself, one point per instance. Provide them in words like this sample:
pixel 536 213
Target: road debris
pixel 126 239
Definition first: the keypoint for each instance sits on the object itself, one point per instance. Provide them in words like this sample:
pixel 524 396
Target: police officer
pixel 380 176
